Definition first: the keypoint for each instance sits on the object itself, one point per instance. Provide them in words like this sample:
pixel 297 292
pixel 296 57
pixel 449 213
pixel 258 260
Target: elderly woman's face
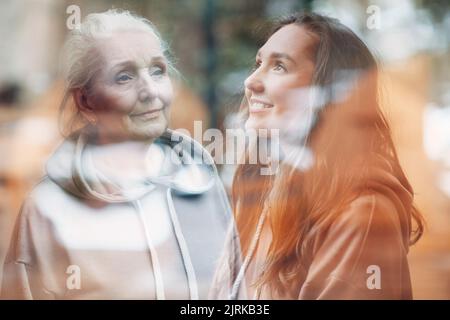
pixel 132 92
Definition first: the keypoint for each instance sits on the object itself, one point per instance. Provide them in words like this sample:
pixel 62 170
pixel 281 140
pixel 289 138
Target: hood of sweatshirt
pixel 187 169
pixel 392 182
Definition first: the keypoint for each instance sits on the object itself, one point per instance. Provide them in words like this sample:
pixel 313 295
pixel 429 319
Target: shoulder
pixel 33 222
pixel 371 217
pixel 368 210
pixel 365 234
pixel 44 200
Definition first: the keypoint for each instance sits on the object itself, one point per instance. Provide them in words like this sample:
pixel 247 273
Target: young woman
pixel 335 220
pixel 128 208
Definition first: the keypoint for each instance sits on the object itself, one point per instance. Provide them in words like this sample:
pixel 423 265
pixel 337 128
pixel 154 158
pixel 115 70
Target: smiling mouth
pixel 257 106
pixel 148 114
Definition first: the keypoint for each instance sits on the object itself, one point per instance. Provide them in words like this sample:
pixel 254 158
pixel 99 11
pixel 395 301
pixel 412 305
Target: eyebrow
pixel 278 55
pixel 133 63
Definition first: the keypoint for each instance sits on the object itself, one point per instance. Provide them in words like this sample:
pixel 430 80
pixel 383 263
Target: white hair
pixel 79 62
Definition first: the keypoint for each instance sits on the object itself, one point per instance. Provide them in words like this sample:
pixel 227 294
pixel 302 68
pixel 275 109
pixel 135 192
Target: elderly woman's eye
pixel 123 77
pixel 157 70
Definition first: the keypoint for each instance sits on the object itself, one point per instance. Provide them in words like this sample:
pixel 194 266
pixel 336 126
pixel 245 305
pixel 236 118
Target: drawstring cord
pixel 248 258
pixel 81 184
pixel 157 273
pixel 187 262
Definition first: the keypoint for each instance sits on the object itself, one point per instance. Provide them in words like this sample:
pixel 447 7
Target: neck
pixel 296 153
pixel 123 159
pixel 101 136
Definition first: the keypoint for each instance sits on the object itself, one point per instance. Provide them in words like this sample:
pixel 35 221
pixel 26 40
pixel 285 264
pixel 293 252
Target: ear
pixel 81 100
pixel 83 104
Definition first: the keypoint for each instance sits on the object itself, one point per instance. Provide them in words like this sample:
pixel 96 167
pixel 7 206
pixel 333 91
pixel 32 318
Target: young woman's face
pixel 131 94
pixel 277 92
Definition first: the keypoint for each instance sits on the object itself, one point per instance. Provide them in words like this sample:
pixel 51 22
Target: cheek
pixel 120 100
pixel 293 102
pixel 247 94
pixel 291 110
pixel 291 92
pixel 166 93
pixel 278 93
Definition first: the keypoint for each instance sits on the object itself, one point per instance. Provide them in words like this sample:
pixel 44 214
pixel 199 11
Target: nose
pixel 254 82
pixel 148 89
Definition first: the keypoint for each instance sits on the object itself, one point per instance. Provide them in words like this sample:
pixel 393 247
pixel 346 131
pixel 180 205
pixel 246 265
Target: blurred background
pixel 214 43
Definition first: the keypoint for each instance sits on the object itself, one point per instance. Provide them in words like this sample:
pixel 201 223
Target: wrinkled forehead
pixel 136 46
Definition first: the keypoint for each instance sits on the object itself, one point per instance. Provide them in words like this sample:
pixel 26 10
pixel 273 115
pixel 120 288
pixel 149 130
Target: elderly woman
pixel 128 208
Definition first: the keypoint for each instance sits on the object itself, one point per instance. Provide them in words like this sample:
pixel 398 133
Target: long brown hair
pixel 353 153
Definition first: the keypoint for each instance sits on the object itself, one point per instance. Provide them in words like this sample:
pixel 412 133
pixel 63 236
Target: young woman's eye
pixel 123 77
pixel 157 71
pixel 256 65
pixel 279 67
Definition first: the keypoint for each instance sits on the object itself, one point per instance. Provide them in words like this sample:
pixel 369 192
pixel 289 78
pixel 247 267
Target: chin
pixel 152 131
pixel 255 124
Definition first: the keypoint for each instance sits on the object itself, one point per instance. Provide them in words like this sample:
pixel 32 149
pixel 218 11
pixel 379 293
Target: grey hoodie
pixel 81 236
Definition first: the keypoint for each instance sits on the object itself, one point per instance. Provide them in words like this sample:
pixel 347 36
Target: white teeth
pixel 259 106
